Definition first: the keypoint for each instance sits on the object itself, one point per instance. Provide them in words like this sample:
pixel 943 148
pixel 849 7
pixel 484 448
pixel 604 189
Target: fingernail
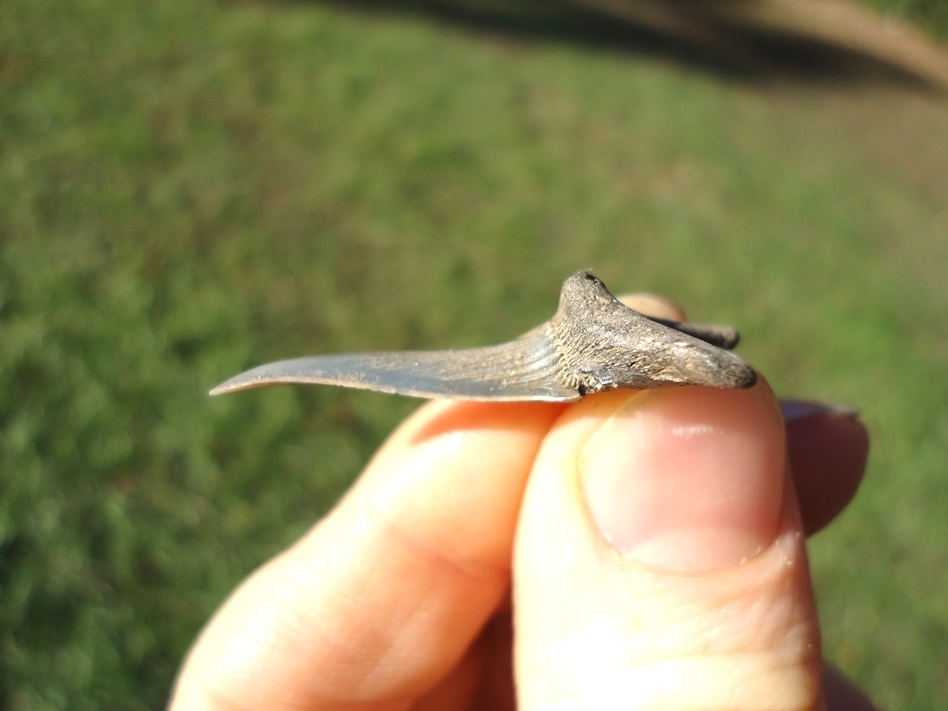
pixel 687 480
pixel 795 410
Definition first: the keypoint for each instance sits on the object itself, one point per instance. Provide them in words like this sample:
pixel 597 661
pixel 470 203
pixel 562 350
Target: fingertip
pixel 653 305
pixel 841 694
pixel 688 564
pixel 688 479
pixel 828 454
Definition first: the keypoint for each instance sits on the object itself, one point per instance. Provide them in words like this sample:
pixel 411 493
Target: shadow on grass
pixel 714 36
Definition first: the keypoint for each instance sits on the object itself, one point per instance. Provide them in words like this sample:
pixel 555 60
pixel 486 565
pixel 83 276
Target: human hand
pixel 654 542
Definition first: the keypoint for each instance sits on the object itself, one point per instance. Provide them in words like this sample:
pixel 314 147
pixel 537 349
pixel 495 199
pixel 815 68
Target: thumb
pixel 659 559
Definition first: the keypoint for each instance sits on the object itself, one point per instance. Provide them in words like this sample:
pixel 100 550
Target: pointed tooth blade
pixel 528 368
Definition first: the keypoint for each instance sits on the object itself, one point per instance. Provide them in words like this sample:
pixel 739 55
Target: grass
pixel 187 189
pixel 930 15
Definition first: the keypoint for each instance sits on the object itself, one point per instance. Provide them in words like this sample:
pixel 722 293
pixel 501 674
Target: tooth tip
pixel 222 389
pixel 749 379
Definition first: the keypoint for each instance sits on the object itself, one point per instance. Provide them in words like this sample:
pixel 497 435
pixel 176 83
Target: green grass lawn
pixel 930 15
pixel 189 189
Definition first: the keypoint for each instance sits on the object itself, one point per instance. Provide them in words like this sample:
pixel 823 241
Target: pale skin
pixel 646 547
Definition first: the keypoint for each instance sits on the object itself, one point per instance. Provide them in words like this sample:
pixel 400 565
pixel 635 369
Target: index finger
pixel 384 596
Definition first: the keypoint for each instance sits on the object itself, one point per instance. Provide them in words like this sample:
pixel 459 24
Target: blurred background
pixel 191 189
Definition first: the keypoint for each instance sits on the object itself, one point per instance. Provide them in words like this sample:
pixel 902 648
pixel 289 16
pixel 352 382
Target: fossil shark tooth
pixel 592 344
